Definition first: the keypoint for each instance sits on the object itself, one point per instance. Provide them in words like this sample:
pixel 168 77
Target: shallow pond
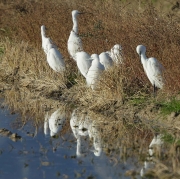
pixel 78 152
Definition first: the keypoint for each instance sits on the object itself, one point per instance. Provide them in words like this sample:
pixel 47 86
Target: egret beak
pixel 81 13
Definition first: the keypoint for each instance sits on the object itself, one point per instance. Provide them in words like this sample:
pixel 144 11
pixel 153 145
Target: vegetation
pixel 99 31
pixel 124 95
pixel 171 106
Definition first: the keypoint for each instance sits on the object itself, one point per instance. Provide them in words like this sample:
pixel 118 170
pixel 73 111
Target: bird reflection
pixel 54 123
pixel 154 147
pixel 82 126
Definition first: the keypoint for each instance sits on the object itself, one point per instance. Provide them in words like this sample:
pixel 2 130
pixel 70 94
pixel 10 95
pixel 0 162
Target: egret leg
pixel 154 90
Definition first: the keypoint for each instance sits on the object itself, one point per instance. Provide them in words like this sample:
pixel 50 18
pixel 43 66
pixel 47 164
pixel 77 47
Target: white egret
pixel 105 60
pixel 82 126
pixel 55 59
pixel 74 41
pixel 56 122
pixel 148 164
pixel 84 61
pixel 94 72
pixel 45 40
pixel 116 54
pixel 46 124
pixel 94 133
pixel 79 127
pixel 157 142
pixel 152 68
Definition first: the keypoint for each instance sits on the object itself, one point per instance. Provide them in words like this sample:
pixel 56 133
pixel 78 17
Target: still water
pixel 46 152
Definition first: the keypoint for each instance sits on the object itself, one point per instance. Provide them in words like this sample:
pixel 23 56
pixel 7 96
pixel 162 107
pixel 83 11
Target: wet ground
pixel 37 155
pixel 29 152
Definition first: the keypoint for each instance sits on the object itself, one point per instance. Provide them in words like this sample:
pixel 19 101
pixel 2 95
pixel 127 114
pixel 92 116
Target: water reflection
pixel 54 122
pixel 153 151
pixel 118 143
pixel 82 126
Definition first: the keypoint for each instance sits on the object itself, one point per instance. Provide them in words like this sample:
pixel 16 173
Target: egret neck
pixel 75 25
pixel 143 59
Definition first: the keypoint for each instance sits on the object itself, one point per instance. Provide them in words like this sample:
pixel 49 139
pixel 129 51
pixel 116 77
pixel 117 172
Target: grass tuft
pixel 171 106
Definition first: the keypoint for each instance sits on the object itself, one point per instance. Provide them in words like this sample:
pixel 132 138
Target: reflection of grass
pixel 168 138
pixel 1 50
pixel 169 107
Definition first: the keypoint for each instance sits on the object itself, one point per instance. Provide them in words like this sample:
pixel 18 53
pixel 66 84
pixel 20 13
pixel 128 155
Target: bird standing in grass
pixel 74 41
pixel 84 61
pixel 55 59
pixel 152 68
pixel 94 72
pixel 45 40
pixel 116 54
pixel 105 60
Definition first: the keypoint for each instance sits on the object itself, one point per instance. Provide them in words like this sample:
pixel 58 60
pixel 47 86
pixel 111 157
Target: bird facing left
pixel 45 40
pixel 55 59
pixel 74 42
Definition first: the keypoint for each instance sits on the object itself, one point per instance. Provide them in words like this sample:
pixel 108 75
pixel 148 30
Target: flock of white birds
pixel 91 66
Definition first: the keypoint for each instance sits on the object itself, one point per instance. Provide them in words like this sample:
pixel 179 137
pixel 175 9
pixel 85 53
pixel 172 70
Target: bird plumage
pixel 105 60
pixel 116 54
pixel 74 42
pixel 152 67
pixel 84 61
pixel 45 40
pixel 55 59
pixel 94 72
pixel 55 122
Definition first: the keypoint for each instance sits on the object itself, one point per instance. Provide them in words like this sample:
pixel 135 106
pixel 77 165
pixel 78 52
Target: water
pixel 71 154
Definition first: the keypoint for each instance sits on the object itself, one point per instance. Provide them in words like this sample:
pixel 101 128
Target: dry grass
pixel 24 63
pixel 24 66
pixel 33 88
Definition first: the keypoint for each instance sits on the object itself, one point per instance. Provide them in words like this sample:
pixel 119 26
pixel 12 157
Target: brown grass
pixel 32 88
pixel 105 24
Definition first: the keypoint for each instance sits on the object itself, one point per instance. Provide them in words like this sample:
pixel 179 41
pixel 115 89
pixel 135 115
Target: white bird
pixel 55 59
pixel 74 41
pixel 148 164
pixel 94 133
pixel 116 54
pixel 105 60
pixel 46 125
pixel 94 72
pixel 82 126
pixel 84 61
pixel 45 40
pixel 56 122
pixel 157 142
pixel 79 125
pixel 152 68
pixel 155 146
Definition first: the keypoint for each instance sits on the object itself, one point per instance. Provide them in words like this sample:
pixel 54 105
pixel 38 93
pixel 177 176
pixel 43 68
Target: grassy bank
pixel 122 89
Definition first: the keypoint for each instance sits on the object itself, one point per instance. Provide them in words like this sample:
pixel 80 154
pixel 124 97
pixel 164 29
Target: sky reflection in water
pixel 76 154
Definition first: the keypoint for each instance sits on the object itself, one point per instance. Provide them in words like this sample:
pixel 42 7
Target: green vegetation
pixel 168 107
pixel 139 100
pixel 1 50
